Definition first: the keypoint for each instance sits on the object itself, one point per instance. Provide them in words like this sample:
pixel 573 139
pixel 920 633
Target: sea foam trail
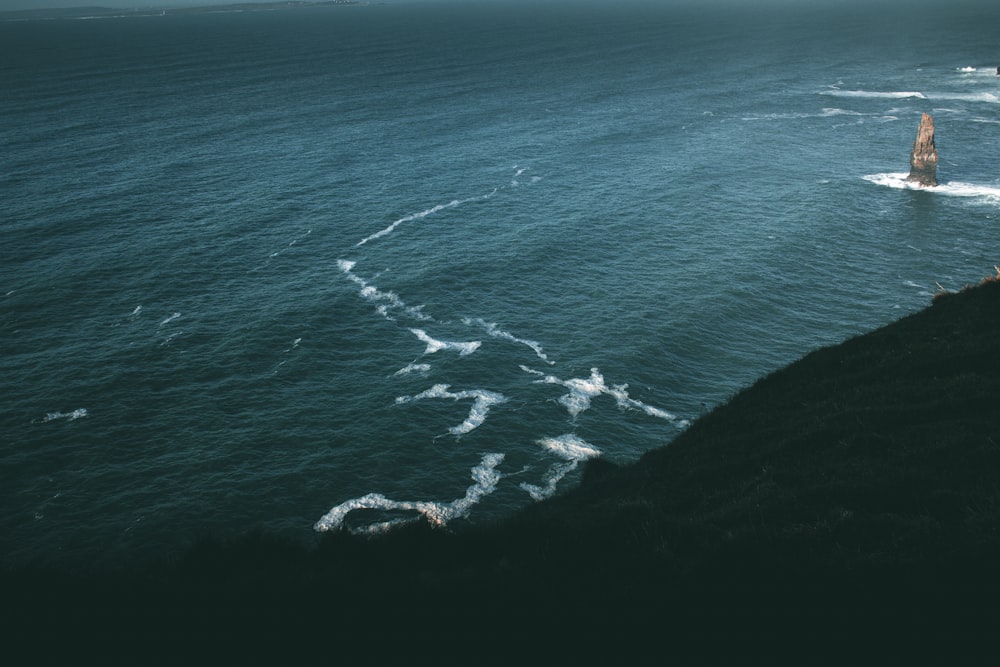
pixel 422 214
pixel 168 320
pixel 952 188
pixel 496 332
pixel 583 390
pixel 384 302
pixel 68 416
pixel 413 368
pixel 572 450
pixel 434 345
pixel 482 401
pixel 485 477
pixel 876 94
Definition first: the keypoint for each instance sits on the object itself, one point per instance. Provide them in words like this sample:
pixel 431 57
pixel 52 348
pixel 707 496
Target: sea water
pixel 339 267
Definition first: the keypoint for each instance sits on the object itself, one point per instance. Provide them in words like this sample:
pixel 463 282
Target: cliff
pixel 851 498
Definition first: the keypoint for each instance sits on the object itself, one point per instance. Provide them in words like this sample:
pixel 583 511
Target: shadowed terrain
pixel 851 498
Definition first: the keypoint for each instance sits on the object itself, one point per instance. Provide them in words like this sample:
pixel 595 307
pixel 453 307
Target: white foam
pixel 422 214
pixel 384 302
pixel 570 447
pixel 170 319
pixel 495 331
pixel 413 368
pixel 520 170
pixel 875 94
pixel 898 181
pixel 966 69
pixel 572 450
pixel 990 98
pixel 68 416
pixel 485 477
pixel 434 345
pixel 482 401
pixel 583 390
pixel 408 218
pixel 136 311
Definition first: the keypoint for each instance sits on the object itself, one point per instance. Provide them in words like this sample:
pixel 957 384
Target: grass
pixel 849 498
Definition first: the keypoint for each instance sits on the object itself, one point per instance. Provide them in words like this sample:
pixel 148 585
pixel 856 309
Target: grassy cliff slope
pixel 851 497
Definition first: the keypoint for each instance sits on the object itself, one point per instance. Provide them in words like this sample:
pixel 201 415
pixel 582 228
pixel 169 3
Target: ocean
pixel 339 267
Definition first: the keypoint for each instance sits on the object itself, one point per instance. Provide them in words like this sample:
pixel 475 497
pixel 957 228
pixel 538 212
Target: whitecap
pixel 898 181
pixel 68 416
pixel 496 332
pixel 583 390
pixel 170 319
pixel 875 94
pixel 991 98
pixel 408 218
pixel 384 301
pixel 485 477
pixel 422 214
pixel 413 368
pixel 569 447
pixel 433 345
pixel 966 69
pixel 482 401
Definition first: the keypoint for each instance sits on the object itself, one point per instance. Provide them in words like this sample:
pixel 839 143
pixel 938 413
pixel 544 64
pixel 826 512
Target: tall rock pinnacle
pixel 924 158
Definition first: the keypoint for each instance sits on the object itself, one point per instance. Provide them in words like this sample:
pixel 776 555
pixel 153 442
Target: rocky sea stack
pixel 924 157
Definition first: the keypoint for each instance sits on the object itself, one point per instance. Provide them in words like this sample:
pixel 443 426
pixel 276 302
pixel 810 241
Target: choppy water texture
pixel 348 265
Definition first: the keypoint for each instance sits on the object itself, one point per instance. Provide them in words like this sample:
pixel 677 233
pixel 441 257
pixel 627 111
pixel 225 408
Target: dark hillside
pixel 851 499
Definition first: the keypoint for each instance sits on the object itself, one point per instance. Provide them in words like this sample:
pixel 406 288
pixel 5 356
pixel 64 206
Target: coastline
pixel 850 493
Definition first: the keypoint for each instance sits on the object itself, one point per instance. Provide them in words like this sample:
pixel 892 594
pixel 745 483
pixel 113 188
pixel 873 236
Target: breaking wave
pixel 482 399
pixel 583 390
pixel 79 413
pixel 384 302
pixel 875 94
pixel 898 181
pixel 495 331
pixel 572 450
pixel 485 477
pixel 433 345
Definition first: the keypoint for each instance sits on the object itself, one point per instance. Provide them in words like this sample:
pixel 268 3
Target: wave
pixel 482 399
pixel 965 97
pixel 167 320
pixel 485 477
pixel 582 390
pixel 898 181
pixel 409 218
pixel 423 214
pixel 875 94
pixel 568 447
pixel 826 112
pixel 496 332
pixel 434 345
pixel 933 96
pixel 441 207
pixel 412 368
pixel 79 413
pixel 383 301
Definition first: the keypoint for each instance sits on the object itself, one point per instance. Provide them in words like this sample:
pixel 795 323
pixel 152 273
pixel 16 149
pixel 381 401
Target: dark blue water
pixel 345 265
